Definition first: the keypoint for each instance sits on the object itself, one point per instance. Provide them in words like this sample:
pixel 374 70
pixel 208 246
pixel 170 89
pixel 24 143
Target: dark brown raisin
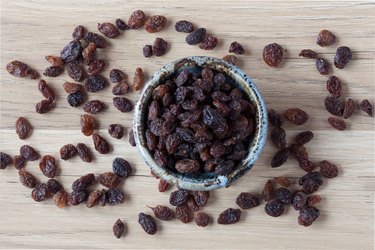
pixel 196 36
pixel 328 169
pixel 337 123
pixel 71 87
pixel 183 214
pixel 27 179
pixel 313 200
pixel 334 105
pixel 109 180
pixel 77 197
pixel 67 151
pixel 322 66
pixel 40 192
pixel 116 131
pixel 366 106
pixel 325 38
pixel 280 158
pixel 53 186
pixel 311 182
pixel 138 79
pixel 274 118
pixel 75 71
pixel 103 198
pixel 147 50
pixel 118 229
pixel 184 26
pixel 46 91
pixel 131 138
pixel 278 137
pixel 78 32
pixel 155 23
pixel 121 25
pixel 191 204
pixel 147 223
pixel 88 124
pixel 296 115
pixel 284 196
pixel 217 149
pixel 236 48
pixel 55 60
pixel 348 108
pixel 96 66
pixel 209 42
pixel 137 19
pixel 304 137
pixel 98 40
pixel 201 219
pixel 95 83
pixel 18 161
pixel 160 91
pixel 334 86
pixel 121 88
pixel 83 152
pixel 83 182
pixel 61 199
pixel 299 152
pixel 52 71
pixel 224 167
pixel 231 59
pixel 23 128
pixel 282 181
pixel 247 200
pixel 342 57
pixel 20 69
pixel 201 197
pixel 93 107
pixel 43 106
pixel 306 165
pixel 187 166
pixel 273 54
pixel 299 200
pixel 160 47
pixel 308 53
pixel 123 104
pixel 115 196
pixel 151 140
pixel 116 76
pixel 268 192
pixel 163 185
pixel 88 53
pixel 108 29
pixel 71 52
pixel 29 153
pixel 178 197
pixel 94 198
pixel 163 212
pixel 229 216
pixel 75 99
pixel 308 215
pixel 48 166
pixel 101 145
pixel 274 208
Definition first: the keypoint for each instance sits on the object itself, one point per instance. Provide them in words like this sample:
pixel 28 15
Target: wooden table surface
pixel 30 30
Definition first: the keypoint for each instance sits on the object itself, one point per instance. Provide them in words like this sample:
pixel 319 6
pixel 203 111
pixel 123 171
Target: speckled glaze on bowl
pixel 206 181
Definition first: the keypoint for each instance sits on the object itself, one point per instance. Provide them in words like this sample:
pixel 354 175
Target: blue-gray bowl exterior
pixel 206 181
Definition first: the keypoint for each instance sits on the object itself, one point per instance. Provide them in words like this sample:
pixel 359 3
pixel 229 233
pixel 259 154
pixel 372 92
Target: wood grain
pixel 31 30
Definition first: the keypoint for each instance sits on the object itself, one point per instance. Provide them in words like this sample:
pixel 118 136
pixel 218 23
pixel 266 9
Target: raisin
pixel 147 51
pixel 88 54
pixel 94 198
pixel 20 69
pixel 29 153
pixel 229 216
pixel 308 53
pixel 71 87
pixel 147 223
pixel 273 54
pixel 304 137
pixel 187 166
pixel 109 180
pixel 334 105
pixel 121 88
pixel 53 186
pixel 159 92
pixel 348 108
pixel 306 165
pixel 155 23
pixel 217 149
pixel 224 167
pixel 19 162
pixel 337 123
pixel 299 152
pixel 178 197
pixel 46 90
pixel 280 158
pixel 201 219
pixel 247 200
pixel 75 99
pixel 78 32
pixel 75 71
pixel 308 215
pixel 98 40
pixel 342 57
pixel 328 169
pixel 27 179
pixel 325 38
pixel 83 182
pixel 77 197
pixel 23 128
pixel 278 137
pixel 71 52
pixel 52 71
pixel 334 86
pixel 116 76
pixel 103 198
pixel 88 124
pixel 43 106
pixel 115 196
pixel 48 166
pixel 118 229
pixel 366 106
pixel 122 104
pixel 137 19
pixel 121 167
pixel 101 145
pixel 322 66
pixel 209 42
pixel 67 151
pixel 311 182
pixel 284 196
pixel 131 138
pixel 191 204
pixel 93 107
pixel 162 212
pixel 236 48
pixel 96 66
pixel 138 79
pixel 283 181
pixel 231 59
pixel 83 152
pixel 274 208
pixel 95 83
pixel 196 36
pixel 116 131
pixel 296 115
pixel 121 25
pixel 268 192
pixel 61 199
pixel 299 200
pixel 313 200
pixel 108 29
pixel 55 60
pixel 274 118
pixel 40 192
pixel 184 26
pixel 183 214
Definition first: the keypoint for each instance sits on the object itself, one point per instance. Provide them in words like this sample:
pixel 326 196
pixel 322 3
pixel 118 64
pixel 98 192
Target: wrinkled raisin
pixel 231 59
pixel 268 192
pixel 67 151
pixel 280 158
pixel 236 48
pixel 83 182
pixel 273 54
pixel 71 52
pixel 201 219
pixel 311 182
pixel 109 180
pixel 98 40
pixel 147 50
pixel 23 128
pixel 48 166
pixel 155 23
pixel 349 108
pixel 304 137
pixel 29 153
pixel 299 200
pixel 88 124
pixel 95 83
pixel 75 99
pixel 183 214
pixel 325 38
pixel 108 29
pixel 313 200
pixel 131 138
pixel 94 198
pixel 147 223
pixel 229 216
pixel 184 26
pixel 52 71
pixel 43 106
pixel 284 196
pixel 83 152
pixel 115 196
pixel 118 229
pixel 278 137
pixel 201 197
pixel 40 192
pixel 163 185
pixel 187 166
pixel 137 19
pixel 209 42
pixel 101 145
pixel 53 186
pixel 116 76
pixel 191 204
pixel 308 53
pixel 274 208
pixel 296 115
pixel 88 54
pixel 18 161
pixel 123 104
pixel 75 71
pixel 138 79
pixel 77 197
pixel 274 118
pixel 121 88
pixel 342 57
pixel 282 181
pixel 61 199
pixel 78 32
pixel 103 198
pixel 93 107
pixel 308 215
pixel 116 131
pixel 178 197
pixel 322 66
pixel 247 200
pixel 366 106
pixel 328 169
pixel 162 212
pixel 71 87
pixel 337 123
pixel 196 36
pixel 121 25
pixel 334 86
pixel 55 60
pixel 20 69
pixel 27 179
pixel 46 90
pixel 334 105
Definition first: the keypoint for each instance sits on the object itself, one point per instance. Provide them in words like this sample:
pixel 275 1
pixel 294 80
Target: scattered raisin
pixel 115 196
pixel 209 42
pixel 308 215
pixel 95 83
pixel 328 169
pixel 20 69
pixel 61 199
pixel 53 186
pixel 348 108
pixel 201 219
pixel 280 158
pixel 67 151
pixel 322 66
pixel 83 182
pixel 116 131
pixel 229 216
pixel 43 106
pixel 121 25
pixel 101 145
pixel 147 223
pixel 325 38
pixel 116 76
pixel 93 107
pixel 163 185
pixel 201 197
pixel 75 99
pixel 160 47
pixel 138 79
pixel 311 182
pixel 83 152
pixel 337 123
pixel 308 53
pixel 96 66
pixel 178 197
pixel 313 200
pixel 123 104
pixel 75 71
pixel 334 86
pixel 29 153
pixel 98 40
pixel 27 179
pixel 52 71
pixel 23 128
pixel 366 106
pixel 94 198
pixel 109 180
pixel 268 192
pixel 196 36
pixel 55 60
pixel 121 88
pixel 103 198
pixel 278 137
pixel 296 115
pixel 147 50
pixel 77 197
pixel 88 53
pixel 191 204
pixel 184 26
pixel 46 90
pixel 118 229
pixel 236 48
pixel 137 19
pixel 183 214
pixel 163 212
pixel 155 23
pixel 334 105
pixel 247 200
pixel 71 87
pixel 78 32
pixel 274 208
pixel 304 137
pixel 284 196
pixel 19 162
pixel 231 59
pixel 299 200
pixel 48 166
pixel 121 167
pixel 282 181
pixel 273 54
pixel 71 52
pixel 274 118
pixel 342 57
pixel 108 29
pixel 40 192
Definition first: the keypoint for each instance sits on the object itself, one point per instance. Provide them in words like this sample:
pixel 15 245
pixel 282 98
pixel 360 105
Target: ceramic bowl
pixel 206 181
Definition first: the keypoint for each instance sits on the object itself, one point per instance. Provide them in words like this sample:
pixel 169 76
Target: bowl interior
pixel 205 181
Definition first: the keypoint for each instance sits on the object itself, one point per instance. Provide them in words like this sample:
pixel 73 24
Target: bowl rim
pixel 215 181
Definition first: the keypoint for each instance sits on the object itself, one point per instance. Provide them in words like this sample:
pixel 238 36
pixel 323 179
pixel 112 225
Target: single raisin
pixel 236 48
pixel 116 131
pixel 55 60
pixel 131 138
pixel 311 182
pixel 147 223
pixel 366 106
pixel 77 197
pixel 284 196
pixel 53 186
pixel 29 153
pixel 23 128
pixel 95 83
pixel 183 214
pixel 115 196
pixel 101 145
pixel 201 219
pixel 52 71
pixel 71 52
pixel 121 25
pixel 71 87
pixel 46 91
pixel 123 104
pixel 40 192
pixel 68 151
pixel 273 54
pixel 61 199
pixel 160 47
pixel 116 76
pixel 83 152
pixel 231 59
pixel 348 108
pixel 201 197
pixel 184 26
pixel 196 36
pixel 88 124
pixel 43 106
pixel 209 42
pixel 274 118
pixel 75 71
pixel 155 23
pixel 88 53
pixel 313 200
pixel 296 115
pixel 274 208
pixel 229 216
pixel 304 137
pixel 178 197
pixel 109 180
pixel 334 105
pixel 48 166
pixel 308 215
pixel 247 200
pixel 96 66
pixel 342 57
pixel 325 38
pixel 78 32
pixel 98 40
pixel 147 50
pixel 83 182
pixel 299 200
pixel 337 123
pixel 20 69
pixel 280 158
pixel 137 19
pixel 27 179
pixel 94 198
pixel 93 107
pixel 322 66
pixel 118 229
pixel 268 192
pixel 334 86
pixel 278 137
pixel 191 204
pixel 75 99
pixel 163 185
pixel 282 181
pixel 138 79
pixel 308 53
pixel 187 166
pixel 121 88
pixel 162 212
pixel 328 169
pixel 19 162
pixel 108 29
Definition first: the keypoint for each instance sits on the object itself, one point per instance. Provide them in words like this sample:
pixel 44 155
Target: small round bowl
pixel 205 181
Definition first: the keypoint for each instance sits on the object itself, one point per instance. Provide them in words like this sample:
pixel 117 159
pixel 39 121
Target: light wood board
pixel 30 30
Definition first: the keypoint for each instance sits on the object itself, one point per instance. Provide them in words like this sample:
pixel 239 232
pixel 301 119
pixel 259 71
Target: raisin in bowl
pixel 200 123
